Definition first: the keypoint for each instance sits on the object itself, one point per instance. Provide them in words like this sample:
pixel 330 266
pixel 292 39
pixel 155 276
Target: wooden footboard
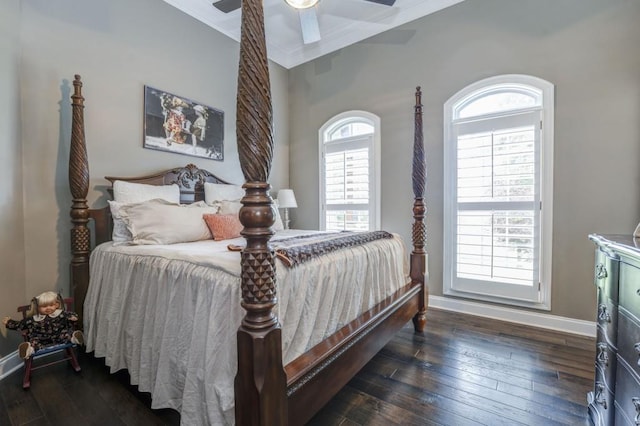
pixel 316 376
pixel 262 394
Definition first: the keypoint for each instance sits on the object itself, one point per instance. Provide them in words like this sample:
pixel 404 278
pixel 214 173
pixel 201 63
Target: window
pixel 349 172
pixel 498 182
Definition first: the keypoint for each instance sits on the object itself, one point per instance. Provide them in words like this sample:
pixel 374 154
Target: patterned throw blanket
pixel 299 249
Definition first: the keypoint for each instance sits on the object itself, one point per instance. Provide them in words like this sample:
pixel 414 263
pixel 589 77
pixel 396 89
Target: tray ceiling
pixel 341 23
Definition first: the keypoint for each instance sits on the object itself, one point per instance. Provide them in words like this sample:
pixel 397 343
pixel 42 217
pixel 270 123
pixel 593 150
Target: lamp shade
pixel 301 4
pixel 287 199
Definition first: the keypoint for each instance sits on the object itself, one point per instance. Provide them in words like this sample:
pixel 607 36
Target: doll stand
pixel 67 348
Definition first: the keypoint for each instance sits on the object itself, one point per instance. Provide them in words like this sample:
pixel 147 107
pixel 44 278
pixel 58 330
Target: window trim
pixel 375 166
pixel 460 100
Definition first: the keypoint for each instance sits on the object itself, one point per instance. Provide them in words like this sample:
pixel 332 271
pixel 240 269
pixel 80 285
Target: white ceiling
pixel 342 22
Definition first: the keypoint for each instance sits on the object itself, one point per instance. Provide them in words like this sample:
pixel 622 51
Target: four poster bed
pixel 184 323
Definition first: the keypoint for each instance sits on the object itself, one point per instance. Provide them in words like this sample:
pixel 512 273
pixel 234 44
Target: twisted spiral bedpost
pixel 260 385
pixel 419 232
pixel 79 184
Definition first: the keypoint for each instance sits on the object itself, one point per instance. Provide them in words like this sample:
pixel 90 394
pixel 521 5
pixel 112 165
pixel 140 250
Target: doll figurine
pixel 46 324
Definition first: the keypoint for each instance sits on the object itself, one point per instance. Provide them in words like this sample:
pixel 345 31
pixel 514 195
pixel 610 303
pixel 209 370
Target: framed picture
pixel 176 124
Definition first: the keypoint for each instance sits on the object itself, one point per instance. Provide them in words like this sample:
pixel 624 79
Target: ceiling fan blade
pixel 385 2
pixel 369 11
pixel 227 6
pixel 309 25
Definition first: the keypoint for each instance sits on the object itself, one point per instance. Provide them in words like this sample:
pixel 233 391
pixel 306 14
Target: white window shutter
pixel 349 181
pixel 493 194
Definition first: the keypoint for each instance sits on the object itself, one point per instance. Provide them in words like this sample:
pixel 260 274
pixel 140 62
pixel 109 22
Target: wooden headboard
pixel 190 179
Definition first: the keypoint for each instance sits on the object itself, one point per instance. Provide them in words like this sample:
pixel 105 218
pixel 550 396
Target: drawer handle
pixel 601 271
pixel 603 356
pixel 599 397
pixel 636 405
pixel 603 315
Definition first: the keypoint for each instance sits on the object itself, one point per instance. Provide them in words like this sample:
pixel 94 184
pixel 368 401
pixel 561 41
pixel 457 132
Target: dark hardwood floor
pixel 463 370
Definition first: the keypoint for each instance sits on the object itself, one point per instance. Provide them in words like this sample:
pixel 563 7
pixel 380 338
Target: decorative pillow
pixel 222 192
pixel 160 222
pixel 128 192
pixel 223 226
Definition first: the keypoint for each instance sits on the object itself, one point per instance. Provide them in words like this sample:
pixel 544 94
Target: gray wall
pixel 117 46
pixel 11 221
pixel 587 48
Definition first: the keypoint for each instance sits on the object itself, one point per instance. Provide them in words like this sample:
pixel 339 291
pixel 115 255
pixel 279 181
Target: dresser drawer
pixel 629 341
pixel 627 397
pixel 606 275
pixel 621 418
pixel 630 288
pixel 607 318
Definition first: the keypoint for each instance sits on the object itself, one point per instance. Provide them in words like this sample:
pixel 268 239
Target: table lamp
pixel 286 201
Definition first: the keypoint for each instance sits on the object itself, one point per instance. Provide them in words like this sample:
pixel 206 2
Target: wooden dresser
pixel 615 399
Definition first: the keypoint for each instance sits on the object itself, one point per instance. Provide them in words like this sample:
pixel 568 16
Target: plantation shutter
pixel 497 206
pixel 347 184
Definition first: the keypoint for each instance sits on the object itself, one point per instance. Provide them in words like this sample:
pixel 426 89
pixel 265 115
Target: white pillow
pixel 128 192
pixel 277 225
pixel 160 222
pixel 228 207
pixel 121 233
pixel 233 207
pixel 222 192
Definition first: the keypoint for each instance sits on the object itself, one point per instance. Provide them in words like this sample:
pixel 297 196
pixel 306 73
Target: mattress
pixel 169 313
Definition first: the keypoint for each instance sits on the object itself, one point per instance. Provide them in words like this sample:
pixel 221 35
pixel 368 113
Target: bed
pixel 272 385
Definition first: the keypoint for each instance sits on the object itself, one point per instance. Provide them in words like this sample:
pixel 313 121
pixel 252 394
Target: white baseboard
pixel 552 322
pixel 9 364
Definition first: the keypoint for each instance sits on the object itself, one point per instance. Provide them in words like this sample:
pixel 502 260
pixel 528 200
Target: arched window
pixel 350 172
pixel 498 182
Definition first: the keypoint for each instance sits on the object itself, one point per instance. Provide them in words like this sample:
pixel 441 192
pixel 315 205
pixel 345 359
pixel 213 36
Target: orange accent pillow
pixel 223 226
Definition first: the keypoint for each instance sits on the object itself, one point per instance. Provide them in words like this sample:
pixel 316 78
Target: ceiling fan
pixel 306 10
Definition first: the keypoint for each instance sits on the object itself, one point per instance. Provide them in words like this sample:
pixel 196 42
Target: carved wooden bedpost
pixel 260 385
pixel 79 184
pixel 419 176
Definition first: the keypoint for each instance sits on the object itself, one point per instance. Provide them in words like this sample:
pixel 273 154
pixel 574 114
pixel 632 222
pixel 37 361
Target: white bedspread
pixel 169 314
